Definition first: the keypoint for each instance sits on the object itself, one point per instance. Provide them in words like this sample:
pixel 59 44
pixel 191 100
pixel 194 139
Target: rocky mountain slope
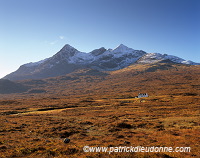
pixel 154 79
pixel 7 87
pixel 69 59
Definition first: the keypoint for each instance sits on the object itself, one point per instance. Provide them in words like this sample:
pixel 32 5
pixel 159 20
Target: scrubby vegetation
pixel 101 110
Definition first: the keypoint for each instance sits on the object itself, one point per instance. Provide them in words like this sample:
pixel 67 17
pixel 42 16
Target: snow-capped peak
pixel 69 59
pixel 122 49
pixel 66 52
pixel 67 48
pixel 157 57
pixel 122 46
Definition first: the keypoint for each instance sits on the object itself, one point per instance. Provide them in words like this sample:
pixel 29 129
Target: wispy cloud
pixel 53 42
pixel 61 37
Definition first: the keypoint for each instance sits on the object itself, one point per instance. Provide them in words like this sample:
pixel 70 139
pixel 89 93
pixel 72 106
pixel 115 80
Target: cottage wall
pixel 143 95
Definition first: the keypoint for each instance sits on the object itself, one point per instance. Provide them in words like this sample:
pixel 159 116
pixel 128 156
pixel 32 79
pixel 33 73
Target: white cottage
pixel 140 95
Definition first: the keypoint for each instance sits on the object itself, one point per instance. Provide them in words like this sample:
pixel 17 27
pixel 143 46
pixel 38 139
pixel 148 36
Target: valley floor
pixel 37 127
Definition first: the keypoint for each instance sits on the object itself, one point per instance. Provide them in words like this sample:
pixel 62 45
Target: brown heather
pixel 100 109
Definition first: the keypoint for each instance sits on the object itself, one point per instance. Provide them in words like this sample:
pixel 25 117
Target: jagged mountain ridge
pixel 69 59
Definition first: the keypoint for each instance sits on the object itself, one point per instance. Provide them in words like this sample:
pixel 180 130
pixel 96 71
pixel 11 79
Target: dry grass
pixel 102 111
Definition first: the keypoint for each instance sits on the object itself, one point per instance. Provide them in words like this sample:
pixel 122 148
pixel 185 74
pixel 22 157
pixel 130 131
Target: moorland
pixel 97 108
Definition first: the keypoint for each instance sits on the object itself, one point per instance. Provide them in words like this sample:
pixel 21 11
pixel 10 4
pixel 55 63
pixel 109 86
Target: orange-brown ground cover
pixel 101 110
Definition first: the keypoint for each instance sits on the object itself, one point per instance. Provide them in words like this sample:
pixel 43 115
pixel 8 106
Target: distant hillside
pixel 154 79
pixel 7 87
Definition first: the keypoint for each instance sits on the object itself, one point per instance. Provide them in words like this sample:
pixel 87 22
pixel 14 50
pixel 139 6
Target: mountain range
pixel 69 59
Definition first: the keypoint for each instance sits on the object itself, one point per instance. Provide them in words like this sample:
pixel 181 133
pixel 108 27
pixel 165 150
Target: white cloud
pixel 61 37
pixel 54 42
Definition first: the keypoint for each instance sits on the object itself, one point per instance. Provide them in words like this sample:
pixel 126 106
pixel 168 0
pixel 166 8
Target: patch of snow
pixel 122 53
pixel 122 49
pixel 32 64
pixel 151 58
pixel 81 58
pixel 156 57
pixel 187 62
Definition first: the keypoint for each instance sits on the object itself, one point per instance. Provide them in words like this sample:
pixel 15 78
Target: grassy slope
pixel 100 110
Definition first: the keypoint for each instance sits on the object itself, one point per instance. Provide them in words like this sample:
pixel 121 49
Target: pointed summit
pixel 67 50
pixel 69 59
pixel 122 48
pixel 99 51
pixel 67 47
pixel 65 53
pixel 122 45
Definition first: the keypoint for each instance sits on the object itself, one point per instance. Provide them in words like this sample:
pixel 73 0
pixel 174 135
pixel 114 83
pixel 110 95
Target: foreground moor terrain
pixel 94 108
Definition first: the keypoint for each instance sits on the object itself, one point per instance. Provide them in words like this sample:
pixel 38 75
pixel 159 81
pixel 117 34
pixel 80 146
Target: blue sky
pixel 31 30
